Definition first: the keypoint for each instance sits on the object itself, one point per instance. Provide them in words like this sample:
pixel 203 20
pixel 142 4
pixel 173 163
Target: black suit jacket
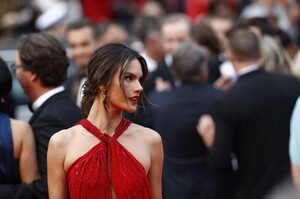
pixel 162 71
pixel 174 116
pixel 252 120
pixel 72 85
pixel 57 113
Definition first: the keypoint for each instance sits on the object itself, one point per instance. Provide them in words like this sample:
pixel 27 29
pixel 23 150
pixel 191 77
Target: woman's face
pixel 132 88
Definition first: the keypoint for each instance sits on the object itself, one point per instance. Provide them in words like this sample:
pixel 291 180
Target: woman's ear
pixel 102 89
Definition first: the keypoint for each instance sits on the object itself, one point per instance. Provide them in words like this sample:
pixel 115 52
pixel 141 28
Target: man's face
pixel 24 77
pixel 173 34
pixel 220 28
pixel 82 44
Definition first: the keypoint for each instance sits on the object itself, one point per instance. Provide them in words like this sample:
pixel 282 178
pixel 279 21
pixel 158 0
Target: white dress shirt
pixel 39 101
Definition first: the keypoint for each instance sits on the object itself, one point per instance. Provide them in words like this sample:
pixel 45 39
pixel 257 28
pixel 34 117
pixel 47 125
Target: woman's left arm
pixel 57 182
pixel 155 172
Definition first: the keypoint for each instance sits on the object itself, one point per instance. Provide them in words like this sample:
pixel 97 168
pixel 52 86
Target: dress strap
pixel 124 124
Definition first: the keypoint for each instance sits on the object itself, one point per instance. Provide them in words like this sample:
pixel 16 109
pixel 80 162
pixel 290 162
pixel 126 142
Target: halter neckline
pixel 123 125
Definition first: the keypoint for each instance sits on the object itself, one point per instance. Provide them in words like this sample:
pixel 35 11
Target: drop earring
pixel 104 95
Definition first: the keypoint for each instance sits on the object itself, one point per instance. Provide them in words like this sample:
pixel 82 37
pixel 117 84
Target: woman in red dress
pixel 106 156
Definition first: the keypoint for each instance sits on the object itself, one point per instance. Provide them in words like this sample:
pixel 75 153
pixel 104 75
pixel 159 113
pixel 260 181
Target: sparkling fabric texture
pixel 107 169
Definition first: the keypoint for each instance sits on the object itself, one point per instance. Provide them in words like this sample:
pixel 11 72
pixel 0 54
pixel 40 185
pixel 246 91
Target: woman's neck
pixel 105 119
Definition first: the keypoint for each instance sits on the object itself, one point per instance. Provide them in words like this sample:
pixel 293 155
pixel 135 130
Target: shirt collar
pixel 169 60
pixel 248 69
pixel 151 63
pixel 39 101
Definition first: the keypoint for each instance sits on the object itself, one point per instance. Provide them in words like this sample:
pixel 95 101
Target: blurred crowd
pixel 25 16
pixel 54 16
pixel 187 44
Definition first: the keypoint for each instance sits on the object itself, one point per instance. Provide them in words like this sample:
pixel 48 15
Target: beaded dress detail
pixel 106 168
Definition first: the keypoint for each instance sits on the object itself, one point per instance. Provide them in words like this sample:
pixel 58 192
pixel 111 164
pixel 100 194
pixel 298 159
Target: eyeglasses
pixel 14 67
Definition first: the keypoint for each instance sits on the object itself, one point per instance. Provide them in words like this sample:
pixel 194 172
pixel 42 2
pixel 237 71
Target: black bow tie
pixel 30 107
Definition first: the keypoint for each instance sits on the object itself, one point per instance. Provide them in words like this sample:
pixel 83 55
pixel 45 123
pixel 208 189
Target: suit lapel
pixel 53 98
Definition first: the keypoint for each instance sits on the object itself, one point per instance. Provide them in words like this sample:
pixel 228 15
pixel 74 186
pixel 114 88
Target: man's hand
pixel 206 129
pixel 161 85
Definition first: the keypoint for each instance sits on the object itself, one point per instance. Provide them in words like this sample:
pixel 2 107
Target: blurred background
pixel 19 17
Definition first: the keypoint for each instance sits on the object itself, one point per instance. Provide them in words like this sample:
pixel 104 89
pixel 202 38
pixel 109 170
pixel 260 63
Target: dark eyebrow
pixel 129 73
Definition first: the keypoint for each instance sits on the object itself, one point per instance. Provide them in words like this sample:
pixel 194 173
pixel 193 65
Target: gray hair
pixel 188 59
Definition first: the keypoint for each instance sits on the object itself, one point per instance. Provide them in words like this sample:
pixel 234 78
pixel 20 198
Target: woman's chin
pixel 131 110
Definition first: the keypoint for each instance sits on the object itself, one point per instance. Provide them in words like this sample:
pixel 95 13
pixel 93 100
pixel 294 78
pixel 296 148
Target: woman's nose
pixel 139 87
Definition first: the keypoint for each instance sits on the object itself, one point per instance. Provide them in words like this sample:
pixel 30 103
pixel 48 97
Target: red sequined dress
pixel 107 167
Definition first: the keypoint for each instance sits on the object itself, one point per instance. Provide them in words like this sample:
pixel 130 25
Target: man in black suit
pixel 82 40
pixel 174 114
pixel 41 68
pixel 251 122
pixel 174 29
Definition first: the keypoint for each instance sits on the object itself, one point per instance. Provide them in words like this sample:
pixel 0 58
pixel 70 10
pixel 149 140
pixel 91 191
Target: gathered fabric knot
pixel 104 138
pixel 107 167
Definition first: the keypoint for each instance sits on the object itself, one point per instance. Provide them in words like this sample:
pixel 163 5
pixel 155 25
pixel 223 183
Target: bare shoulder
pixel 148 134
pixel 20 126
pixel 22 136
pixel 21 132
pixel 63 138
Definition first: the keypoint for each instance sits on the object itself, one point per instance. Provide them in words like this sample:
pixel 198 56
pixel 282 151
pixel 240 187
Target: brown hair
pixel 82 23
pixel 244 44
pixel 101 68
pixel 204 35
pixel 44 55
